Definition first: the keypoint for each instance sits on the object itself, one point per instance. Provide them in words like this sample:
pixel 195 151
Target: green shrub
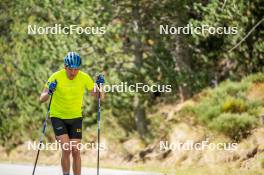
pixel 206 112
pixel 236 126
pixel 256 78
pixel 255 107
pixel 234 105
pixel 232 88
pixel 228 110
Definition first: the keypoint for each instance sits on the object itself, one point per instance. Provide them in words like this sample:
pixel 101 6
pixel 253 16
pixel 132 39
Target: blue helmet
pixel 72 60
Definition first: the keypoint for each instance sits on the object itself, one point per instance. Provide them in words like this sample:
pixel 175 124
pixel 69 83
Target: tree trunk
pixel 139 109
pixel 181 57
pixel 140 116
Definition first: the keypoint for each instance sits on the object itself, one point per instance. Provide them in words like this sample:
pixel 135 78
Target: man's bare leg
pixel 66 151
pixel 76 166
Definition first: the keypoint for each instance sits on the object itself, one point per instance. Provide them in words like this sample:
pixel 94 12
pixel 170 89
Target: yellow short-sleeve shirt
pixel 68 98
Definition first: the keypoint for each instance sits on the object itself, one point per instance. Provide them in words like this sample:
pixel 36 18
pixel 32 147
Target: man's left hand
pixel 100 80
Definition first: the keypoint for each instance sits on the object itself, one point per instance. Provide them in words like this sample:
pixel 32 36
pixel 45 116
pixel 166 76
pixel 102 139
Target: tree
pixel 214 54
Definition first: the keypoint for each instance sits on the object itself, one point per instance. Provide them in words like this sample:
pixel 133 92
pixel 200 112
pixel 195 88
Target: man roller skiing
pixel 67 87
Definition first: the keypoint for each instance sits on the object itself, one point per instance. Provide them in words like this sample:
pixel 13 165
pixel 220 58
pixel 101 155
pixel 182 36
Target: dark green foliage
pixel 234 105
pixel 236 126
pixel 213 53
pixel 228 110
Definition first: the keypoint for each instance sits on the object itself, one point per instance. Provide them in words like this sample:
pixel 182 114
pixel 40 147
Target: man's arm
pixel 48 91
pixel 44 95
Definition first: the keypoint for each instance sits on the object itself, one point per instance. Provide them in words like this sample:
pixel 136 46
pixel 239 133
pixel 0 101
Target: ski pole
pixel 98 130
pixel 43 133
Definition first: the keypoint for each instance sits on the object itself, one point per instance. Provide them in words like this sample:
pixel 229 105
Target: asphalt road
pixel 20 169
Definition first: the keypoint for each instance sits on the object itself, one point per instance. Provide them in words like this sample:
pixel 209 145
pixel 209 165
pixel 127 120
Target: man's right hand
pixel 52 87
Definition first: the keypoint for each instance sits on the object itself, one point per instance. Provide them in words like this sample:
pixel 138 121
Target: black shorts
pixel 72 127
